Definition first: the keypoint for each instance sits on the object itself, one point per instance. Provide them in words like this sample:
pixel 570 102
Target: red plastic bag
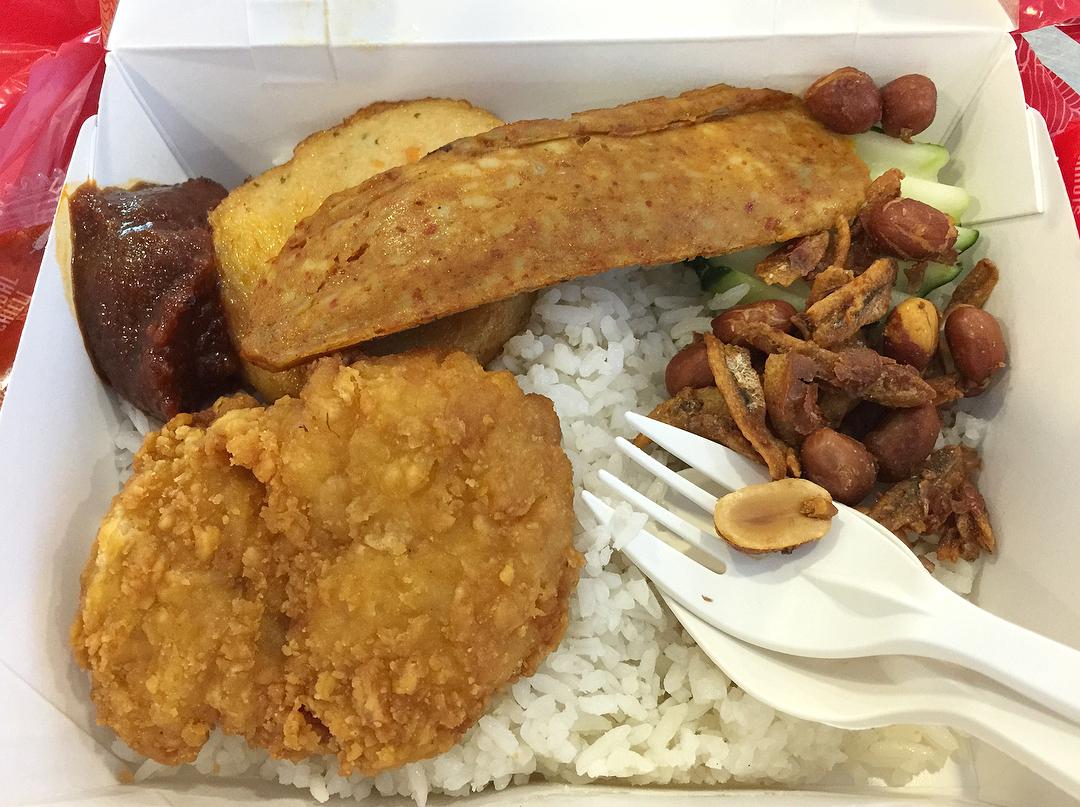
pixel 1046 92
pixel 1033 14
pixel 51 61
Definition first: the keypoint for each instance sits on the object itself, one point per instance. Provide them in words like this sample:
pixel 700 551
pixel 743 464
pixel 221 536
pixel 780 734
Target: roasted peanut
pixel 863 419
pixel 976 344
pixel 775 516
pixel 688 368
pixel 911 333
pixel 846 101
pixel 907 228
pixel 835 404
pixel 839 464
pixel 791 396
pixel 730 326
pixel 908 105
pixel 903 440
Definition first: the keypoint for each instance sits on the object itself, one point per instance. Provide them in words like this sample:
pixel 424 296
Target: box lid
pixel 208 23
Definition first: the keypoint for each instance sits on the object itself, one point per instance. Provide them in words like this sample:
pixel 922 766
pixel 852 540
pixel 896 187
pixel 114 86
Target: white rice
pixel 627 695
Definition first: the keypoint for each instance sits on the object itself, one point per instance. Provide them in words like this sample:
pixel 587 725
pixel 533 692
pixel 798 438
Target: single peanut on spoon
pixel 774 516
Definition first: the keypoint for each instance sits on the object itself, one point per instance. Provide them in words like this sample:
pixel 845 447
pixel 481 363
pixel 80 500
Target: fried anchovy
pixel 738 382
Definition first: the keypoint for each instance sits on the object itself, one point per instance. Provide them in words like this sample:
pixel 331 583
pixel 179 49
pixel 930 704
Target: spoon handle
pixel 1042 742
pixel 1045 671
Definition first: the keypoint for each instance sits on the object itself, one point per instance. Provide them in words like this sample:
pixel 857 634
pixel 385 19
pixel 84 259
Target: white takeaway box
pixel 224 88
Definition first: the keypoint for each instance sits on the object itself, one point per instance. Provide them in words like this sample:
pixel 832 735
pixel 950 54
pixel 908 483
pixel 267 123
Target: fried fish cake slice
pixel 433 505
pixel 255 220
pixel 177 621
pixel 538 202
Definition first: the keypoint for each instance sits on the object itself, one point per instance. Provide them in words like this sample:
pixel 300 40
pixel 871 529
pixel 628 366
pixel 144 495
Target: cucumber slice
pixel 965 238
pixel 744 260
pixel 706 272
pixel 938 274
pixel 920 163
pixel 946 198
pixel 718 279
pixel 881 152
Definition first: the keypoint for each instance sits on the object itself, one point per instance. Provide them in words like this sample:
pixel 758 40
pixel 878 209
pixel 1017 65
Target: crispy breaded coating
pixel 178 615
pixel 418 514
pixel 433 505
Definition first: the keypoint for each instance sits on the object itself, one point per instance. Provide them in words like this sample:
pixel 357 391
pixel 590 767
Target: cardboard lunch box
pixel 226 89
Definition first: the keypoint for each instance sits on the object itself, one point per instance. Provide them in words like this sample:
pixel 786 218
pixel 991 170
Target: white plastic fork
pixel 885 690
pixel 857 592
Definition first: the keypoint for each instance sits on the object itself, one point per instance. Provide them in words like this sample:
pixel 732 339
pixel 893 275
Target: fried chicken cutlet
pixel 433 505
pixel 413 516
pixel 178 617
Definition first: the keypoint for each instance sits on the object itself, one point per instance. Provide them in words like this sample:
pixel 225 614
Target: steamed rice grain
pixel 627 695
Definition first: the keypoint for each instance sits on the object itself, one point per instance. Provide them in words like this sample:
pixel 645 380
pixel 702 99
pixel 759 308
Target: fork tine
pixel 684 529
pixel 706 501
pixel 711 558
pixel 717 462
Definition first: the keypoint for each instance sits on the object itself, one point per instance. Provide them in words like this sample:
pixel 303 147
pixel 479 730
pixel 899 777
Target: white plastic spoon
pixel 854 593
pixel 886 690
